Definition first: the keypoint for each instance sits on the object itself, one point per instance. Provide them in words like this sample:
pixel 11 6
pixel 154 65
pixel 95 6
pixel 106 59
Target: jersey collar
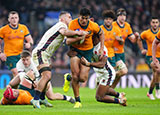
pixel 84 27
pixel 13 27
pixel 107 28
pixel 120 25
pixel 154 32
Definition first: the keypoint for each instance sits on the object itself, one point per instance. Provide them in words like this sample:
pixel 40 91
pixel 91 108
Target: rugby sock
pixel 66 97
pixel 150 90
pixel 77 99
pixel 69 77
pixel 157 86
pixel 117 95
pixel 116 100
pixel 42 96
pixel 37 95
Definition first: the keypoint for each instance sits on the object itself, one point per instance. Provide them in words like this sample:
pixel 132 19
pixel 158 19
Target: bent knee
pixel 83 79
pixel 98 98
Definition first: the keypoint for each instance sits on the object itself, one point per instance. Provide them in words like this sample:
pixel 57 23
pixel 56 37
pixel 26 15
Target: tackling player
pixel 105 76
pixel 49 43
pixel 126 32
pixel 149 36
pixel 13 35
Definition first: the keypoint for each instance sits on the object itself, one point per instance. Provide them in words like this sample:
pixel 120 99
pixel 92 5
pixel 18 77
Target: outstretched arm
pixel 100 64
pixel 67 32
pixel 101 37
pixel 140 45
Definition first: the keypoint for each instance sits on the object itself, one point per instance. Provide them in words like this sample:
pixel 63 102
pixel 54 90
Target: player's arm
pixel 133 38
pixel 14 82
pixel 154 49
pixel 100 64
pixel 29 42
pixel 67 32
pixel 2 55
pixel 72 40
pixel 101 37
pixel 140 45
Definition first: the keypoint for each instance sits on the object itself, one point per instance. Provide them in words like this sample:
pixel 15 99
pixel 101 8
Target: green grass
pixel 138 104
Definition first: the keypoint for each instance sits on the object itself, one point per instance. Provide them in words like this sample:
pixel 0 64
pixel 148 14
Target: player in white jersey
pixel 105 76
pixel 27 78
pixel 49 43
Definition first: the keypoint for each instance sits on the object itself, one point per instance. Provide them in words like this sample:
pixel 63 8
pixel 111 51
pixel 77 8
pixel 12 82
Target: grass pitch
pixel 138 104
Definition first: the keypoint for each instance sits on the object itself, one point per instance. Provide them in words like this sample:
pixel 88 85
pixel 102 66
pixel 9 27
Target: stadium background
pixel 39 15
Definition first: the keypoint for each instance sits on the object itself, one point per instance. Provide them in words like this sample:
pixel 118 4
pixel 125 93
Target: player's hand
pixel 155 62
pixel 136 35
pixel 84 61
pixel 3 56
pixel 82 33
pixel 8 86
pixel 143 52
pixel 101 52
pixel 27 45
pixel 30 74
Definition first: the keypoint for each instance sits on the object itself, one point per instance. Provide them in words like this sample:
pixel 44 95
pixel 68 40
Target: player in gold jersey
pixel 79 72
pixel 126 32
pixel 149 36
pixel 13 35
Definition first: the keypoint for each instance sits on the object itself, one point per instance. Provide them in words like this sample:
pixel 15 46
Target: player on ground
pixel 16 97
pixel 149 36
pixel 13 35
pixel 79 72
pixel 105 76
pixel 126 32
pixel 27 77
pixel 49 43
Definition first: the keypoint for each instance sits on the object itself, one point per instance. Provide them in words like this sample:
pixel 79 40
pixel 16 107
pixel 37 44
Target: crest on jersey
pixel 21 31
pixel 114 33
pixel 126 30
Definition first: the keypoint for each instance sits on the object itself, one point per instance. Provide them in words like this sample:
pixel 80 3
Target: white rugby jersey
pixel 22 70
pixel 95 58
pixel 96 54
pixel 51 40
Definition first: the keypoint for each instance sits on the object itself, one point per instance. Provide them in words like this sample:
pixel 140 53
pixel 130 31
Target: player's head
pixel 65 17
pixel 108 16
pixel 84 16
pixel 121 15
pixel 154 23
pixel 11 94
pixel 26 58
pixel 13 18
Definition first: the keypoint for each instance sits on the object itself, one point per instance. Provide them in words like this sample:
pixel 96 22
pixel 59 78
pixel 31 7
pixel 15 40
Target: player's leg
pixel 121 70
pixel 57 96
pixel 74 64
pixel 101 96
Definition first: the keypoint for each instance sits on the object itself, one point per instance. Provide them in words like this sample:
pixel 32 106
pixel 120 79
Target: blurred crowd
pixel 33 14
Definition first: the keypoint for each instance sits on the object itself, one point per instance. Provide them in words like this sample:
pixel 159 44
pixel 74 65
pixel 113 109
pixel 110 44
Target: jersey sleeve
pixel 71 25
pixel 158 36
pixel 130 32
pixel 20 69
pixel 97 28
pixel 142 35
pixel 26 31
pixel 1 33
